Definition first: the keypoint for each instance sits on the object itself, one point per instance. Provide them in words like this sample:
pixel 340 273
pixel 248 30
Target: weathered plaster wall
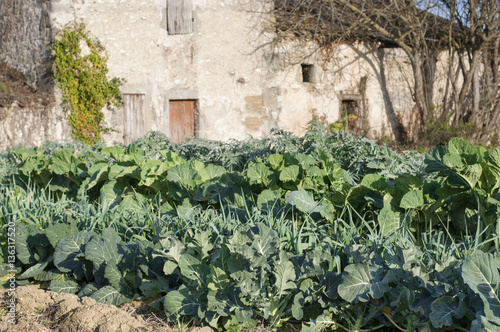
pixel 29 126
pixel 213 65
pixel 242 89
pixel 29 115
pixel 377 78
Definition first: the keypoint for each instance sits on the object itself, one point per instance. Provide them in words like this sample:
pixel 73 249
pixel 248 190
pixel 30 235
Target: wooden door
pixel 133 117
pixel 182 119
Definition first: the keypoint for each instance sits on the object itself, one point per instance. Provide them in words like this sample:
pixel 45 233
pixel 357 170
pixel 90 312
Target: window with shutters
pixel 179 17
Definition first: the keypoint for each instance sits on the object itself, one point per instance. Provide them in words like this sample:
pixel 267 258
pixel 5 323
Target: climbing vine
pixel 80 69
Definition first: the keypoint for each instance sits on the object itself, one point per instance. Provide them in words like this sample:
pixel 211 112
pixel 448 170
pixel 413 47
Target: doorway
pixel 183 116
pixel 133 117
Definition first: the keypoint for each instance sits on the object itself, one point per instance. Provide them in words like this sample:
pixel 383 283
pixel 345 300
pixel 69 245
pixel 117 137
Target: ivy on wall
pixel 80 69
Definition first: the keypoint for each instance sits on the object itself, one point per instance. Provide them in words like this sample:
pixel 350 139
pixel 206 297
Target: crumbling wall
pixel 31 126
pixel 25 37
pixel 28 113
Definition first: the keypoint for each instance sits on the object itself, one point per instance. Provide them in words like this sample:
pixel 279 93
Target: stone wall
pixel 25 37
pixel 243 85
pixel 29 126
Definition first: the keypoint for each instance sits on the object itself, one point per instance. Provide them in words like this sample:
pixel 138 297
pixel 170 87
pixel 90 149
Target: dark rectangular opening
pixel 307 73
pixel 351 114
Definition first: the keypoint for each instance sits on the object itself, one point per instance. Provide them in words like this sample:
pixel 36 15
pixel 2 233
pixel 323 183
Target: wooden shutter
pixel 133 117
pixel 179 16
pixel 182 119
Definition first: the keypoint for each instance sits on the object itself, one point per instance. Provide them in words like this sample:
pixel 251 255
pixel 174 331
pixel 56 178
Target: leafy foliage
pixel 81 76
pixel 302 231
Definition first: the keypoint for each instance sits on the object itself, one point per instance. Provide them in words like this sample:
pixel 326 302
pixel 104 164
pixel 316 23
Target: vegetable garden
pixel 323 231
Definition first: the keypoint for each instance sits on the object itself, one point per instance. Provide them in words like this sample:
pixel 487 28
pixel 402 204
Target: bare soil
pixel 41 310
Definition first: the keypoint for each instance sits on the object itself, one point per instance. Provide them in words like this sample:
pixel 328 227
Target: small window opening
pixel 307 73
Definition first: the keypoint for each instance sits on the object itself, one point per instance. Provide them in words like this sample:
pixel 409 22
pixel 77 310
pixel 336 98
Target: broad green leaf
pixel 389 216
pixel 269 198
pixel 114 171
pixel 114 152
pixel 128 173
pixel 472 174
pixel 183 175
pixel 444 309
pixel 337 176
pixel 276 161
pixel 466 150
pixel 315 173
pixel 217 279
pixel 56 232
pixel 64 162
pixel 48 275
pixel 201 169
pixel 405 183
pixel 175 247
pixel 98 173
pixel 23 252
pixel 172 158
pixel 361 279
pixel 493 174
pixel 285 277
pixel 298 305
pixel 318 325
pixel 111 193
pixel 305 160
pixel 183 302
pixel 494 162
pixel 413 199
pixel 435 162
pixel 104 250
pixel 133 202
pixel 304 201
pixel 480 272
pixel 88 290
pixel 259 173
pixel 202 243
pixel 355 283
pixel 217 302
pixel 69 253
pixel 109 295
pixel 290 173
pixel 265 242
pixel 214 171
pixel 151 288
pixel 67 286
pixel 169 267
pixel 122 279
pixel 227 300
pixel 35 270
pixel 330 284
pixel 374 182
pixel 194 269
pixel 484 324
pixel 186 210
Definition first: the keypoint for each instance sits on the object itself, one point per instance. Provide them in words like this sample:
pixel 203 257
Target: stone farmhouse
pixel 204 68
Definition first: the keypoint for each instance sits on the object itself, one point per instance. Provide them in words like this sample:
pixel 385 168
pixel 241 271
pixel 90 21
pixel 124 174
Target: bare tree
pixel 408 24
pixel 474 41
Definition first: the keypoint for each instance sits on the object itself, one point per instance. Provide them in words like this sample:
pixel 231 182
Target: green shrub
pixel 83 82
